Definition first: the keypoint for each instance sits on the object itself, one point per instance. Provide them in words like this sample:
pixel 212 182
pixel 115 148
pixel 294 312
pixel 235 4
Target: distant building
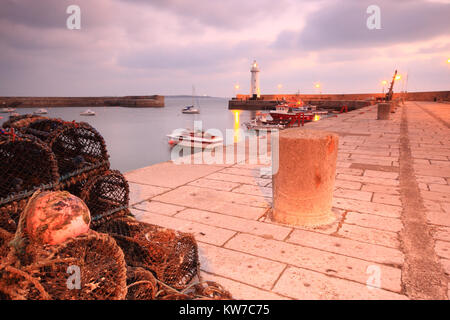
pixel 254 83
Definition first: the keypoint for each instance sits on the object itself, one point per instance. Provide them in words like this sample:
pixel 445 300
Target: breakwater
pixel 413 96
pixel 153 101
pixel 236 104
pixel 332 101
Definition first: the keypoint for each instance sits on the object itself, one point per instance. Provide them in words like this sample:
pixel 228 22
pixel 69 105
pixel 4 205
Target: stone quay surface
pixel 391 237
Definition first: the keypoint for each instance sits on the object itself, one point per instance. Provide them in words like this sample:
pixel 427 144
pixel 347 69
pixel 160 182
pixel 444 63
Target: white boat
pixel 190 109
pixel 88 112
pixel 8 110
pixel 191 138
pixel 261 123
pixel 41 111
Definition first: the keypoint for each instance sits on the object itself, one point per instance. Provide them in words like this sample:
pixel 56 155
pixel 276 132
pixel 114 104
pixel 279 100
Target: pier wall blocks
pixel 303 186
pixel 384 109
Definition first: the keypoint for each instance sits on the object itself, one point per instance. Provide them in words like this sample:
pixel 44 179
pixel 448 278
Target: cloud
pixel 343 25
pixel 222 14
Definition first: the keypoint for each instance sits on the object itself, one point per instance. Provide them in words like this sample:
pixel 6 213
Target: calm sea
pixel 136 138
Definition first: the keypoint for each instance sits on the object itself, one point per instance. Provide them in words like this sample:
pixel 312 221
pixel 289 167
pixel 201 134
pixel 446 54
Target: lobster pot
pixel 106 196
pixel 26 164
pixel 22 121
pixel 52 272
pixel 5 238
pixel 170 255
pixel 141 284
pixel 79 149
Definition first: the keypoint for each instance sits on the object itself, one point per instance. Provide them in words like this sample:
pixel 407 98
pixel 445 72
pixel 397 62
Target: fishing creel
pixel 26 164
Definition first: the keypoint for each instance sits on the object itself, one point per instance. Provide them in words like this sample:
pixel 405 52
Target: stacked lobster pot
pixel 26 164
pixel 82 163
pixel 127 259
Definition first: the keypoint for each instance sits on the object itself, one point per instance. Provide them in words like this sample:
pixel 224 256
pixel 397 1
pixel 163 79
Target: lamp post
pixel 279 87
pixel 236 89
pixel 318 86
pixel 384 83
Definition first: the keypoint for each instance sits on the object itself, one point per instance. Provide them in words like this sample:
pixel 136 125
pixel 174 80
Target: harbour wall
pixel 414 96
pixel 154 101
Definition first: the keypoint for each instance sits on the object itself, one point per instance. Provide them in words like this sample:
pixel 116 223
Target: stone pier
pixel 391 237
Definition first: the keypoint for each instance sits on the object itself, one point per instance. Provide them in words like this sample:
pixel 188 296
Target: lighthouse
pixel 254 83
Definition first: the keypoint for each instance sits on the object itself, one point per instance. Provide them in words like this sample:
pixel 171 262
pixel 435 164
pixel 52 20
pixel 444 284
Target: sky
pixel 143 47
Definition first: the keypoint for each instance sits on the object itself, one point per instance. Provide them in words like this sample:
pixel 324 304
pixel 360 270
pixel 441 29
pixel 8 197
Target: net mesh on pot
pixel 26 164
pixel 141 284
pixel 21 121
pixel 107 197
pixel 172 256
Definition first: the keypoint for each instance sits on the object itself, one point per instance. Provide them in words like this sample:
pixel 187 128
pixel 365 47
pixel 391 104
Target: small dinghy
pixel 88 112
pixel 191 138
pixel 41 111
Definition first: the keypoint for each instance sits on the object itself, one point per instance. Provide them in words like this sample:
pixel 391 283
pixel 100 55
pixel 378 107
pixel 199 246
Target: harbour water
pixel 136 137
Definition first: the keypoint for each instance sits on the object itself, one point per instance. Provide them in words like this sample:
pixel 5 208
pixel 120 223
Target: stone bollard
pixel 383 111
pixel 303 186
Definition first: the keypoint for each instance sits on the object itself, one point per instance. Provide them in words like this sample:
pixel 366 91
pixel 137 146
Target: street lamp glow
pixel 448 60
pixel 280 86
pixel 384 82
pixel 317 85
pixel 236 86
pixel 398 77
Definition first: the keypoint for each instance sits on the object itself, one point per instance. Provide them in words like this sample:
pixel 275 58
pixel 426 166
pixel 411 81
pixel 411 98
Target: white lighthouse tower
pixel 254 83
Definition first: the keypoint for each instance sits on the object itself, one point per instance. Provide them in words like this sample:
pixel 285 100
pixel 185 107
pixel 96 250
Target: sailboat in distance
pixel 191 108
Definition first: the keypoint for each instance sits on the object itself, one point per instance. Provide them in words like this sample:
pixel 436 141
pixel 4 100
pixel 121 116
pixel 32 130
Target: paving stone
pixel 157 175
pixel 254 190
pixel 446 265
pixel 347 184
pixel 313 259
pixel 141 192
pixel 217 201
pixel 204 233
pixel 442 233
pixel 241 291
pixel 432 171
pixel 370 235
pixel 428 179
pixel 314 285
pixel 365 179
pixel 439 188
pixel 438 196
pixel 242 172
pixel 266 230
pixel 214 184
pixel 348 247
pixel 380 189
pixel 373 221
pixel 239 179
pixel 381 174
pixel 341 164
pixel 353 194
pixel 438 218
pixel 367 207
pixel 442 249
pixel 375 157
pixel 159 207
pixel 387 199
pixel 356 172
pixel 445 206
pixel 255 271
